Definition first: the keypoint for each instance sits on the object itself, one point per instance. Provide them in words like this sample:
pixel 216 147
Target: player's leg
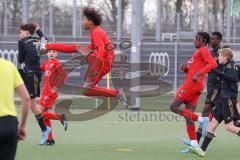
pixel 232 128
pixel 237 118
pixel 228 113
pixel 47 102
pixel 207 109
pixel 217 119
pixel 190 95
pixel 32 83
pixel 210 134
pixel 176 108
pixel 95 73
pixel 191 127
pixel 207 139
pixel 48 123
pixel 44 46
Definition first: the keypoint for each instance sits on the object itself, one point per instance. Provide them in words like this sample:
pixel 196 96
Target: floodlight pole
pixel 158 23
pixel 135 52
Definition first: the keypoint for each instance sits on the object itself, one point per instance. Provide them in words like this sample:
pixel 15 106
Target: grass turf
pixel 121 135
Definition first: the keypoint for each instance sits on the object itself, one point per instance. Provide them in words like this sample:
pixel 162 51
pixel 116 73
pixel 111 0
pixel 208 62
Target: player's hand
pixel 21 132
pixel 184 67
pixel 37 27
pixel 196 77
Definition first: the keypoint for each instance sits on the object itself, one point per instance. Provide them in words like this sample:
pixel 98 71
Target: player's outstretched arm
pixel 229 75
pixel 62 47
pixel 39 31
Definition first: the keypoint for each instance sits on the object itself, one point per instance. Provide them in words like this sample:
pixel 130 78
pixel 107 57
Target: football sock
pixel 99 91
pixel 199 134
pixel 207 139
pixel 53 116
pixel 191 132
pixel 189 115
pixel 40 121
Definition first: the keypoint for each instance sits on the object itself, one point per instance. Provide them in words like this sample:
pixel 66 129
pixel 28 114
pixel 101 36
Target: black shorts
pixel 8 137
pixel 224 109
pixel 212 97
pixel 32 82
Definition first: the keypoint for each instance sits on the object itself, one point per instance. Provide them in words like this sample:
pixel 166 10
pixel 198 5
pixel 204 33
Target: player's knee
pixel 173 108
pixel 85 91
pixel 228 127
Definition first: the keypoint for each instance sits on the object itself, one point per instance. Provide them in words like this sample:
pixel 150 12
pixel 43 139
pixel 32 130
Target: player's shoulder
pixel 204 49
pixel 55 62
pixel 99 31
pixel 22 40
pixel 6 63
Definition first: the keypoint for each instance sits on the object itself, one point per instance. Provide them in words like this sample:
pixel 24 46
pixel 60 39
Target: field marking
pixel 125 150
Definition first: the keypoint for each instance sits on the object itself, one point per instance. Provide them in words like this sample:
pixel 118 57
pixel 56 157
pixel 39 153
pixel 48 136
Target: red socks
pixel 62 47
pixel 99 91
pixel 189 115
pixel 191 132
pixel 53 116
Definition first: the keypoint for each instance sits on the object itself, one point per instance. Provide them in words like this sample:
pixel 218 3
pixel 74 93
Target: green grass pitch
pixel 121 135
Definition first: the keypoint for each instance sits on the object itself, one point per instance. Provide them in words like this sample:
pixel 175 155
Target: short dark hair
pixel 205 36
pixel 28 27
pixel 93 15
pixel 218 34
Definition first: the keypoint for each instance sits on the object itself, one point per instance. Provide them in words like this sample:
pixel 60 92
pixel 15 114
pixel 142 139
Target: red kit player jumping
pixel 54 78
pixel 100 60
pixel 200 64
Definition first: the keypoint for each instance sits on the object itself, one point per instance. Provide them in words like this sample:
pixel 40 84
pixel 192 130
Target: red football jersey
pixel 201 62
pixel 53 70
pixel 101 43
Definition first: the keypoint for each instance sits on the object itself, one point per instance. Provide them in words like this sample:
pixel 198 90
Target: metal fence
pixel 158 18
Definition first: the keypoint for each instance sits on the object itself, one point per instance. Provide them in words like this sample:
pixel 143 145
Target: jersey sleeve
pixel 230 74
pixel 21 53
pixel 16 76
pixel 208 59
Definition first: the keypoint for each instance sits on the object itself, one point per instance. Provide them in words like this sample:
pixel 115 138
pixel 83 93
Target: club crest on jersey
pixel 183 91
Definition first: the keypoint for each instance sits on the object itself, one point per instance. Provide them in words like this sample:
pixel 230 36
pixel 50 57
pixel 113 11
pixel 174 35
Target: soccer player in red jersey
pixel 200 64
pixel 54 78
pixel 100 60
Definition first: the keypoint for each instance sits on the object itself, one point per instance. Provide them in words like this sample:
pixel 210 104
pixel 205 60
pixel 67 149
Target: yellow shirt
pixel 9 80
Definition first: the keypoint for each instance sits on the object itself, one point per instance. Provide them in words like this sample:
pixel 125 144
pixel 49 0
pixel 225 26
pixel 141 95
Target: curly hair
pixel 93 15
pixel 205 36
pixel 218 34
pixel 28 27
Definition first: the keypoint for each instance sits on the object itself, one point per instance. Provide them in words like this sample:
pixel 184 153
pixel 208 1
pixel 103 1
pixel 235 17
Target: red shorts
pixel 47 101
pixel 189 93
pixel 96 71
